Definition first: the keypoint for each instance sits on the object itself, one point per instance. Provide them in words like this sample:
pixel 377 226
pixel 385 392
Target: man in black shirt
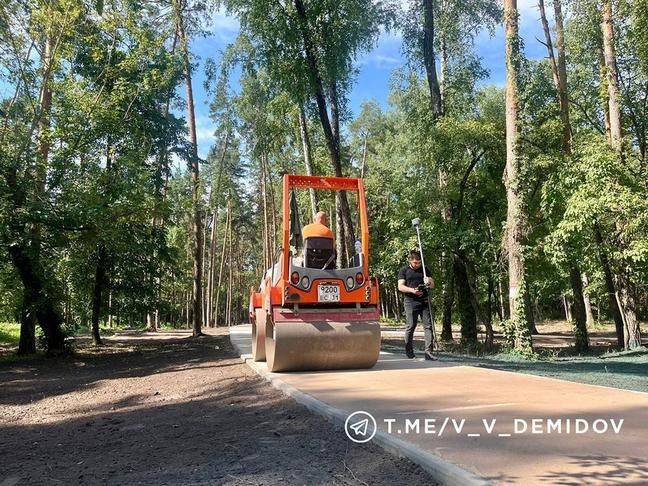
pixel 411 283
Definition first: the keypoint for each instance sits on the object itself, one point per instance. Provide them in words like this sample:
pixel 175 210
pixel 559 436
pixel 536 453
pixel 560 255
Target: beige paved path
pixel 402 389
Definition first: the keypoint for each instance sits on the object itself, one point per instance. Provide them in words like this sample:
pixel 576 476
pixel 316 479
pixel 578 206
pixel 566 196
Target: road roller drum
pixel 321 345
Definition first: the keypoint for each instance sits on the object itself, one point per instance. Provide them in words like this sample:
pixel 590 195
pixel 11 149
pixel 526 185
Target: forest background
pixel 143 144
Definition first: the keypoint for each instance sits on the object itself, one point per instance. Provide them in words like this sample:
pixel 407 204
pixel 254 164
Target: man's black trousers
pixel 413 310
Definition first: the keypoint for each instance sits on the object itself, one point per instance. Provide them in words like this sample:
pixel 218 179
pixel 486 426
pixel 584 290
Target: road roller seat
pixel 318 251
pixel 319 246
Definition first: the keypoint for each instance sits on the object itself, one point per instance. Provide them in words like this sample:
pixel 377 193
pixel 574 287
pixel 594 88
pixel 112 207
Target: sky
pixel 375 67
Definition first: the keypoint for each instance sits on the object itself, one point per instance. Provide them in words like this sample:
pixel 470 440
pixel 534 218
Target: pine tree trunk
pixel 222 264
pixel 205 265
pixel 515 221
pixel 340 237
pixel 273 212
pixel 195 184
pixel 188 310
pixel 229 280
pixel 306 150
pixel 211 273
pixel 267 258
pixel 161 182
pixel 102 259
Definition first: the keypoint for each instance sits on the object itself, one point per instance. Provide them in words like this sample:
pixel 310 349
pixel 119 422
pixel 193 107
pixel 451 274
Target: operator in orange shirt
pixel 319 228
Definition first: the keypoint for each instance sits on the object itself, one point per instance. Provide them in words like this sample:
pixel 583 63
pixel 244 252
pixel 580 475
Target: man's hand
pixel 408 290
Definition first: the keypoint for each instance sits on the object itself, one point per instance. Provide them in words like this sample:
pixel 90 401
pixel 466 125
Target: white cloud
pixel 379 61
pixel 204 129
pixel 224 27
pixel 527 5
pixel 386 54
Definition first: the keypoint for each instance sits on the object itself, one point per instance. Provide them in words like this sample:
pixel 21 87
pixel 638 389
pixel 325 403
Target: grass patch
pixel 9 333
pixel 626 370
pixel 390 321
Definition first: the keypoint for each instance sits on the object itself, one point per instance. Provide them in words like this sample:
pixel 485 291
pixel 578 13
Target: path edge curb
pixel 442 471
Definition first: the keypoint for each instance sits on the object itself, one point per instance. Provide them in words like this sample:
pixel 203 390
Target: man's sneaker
pixel 410 354
pixel 430 357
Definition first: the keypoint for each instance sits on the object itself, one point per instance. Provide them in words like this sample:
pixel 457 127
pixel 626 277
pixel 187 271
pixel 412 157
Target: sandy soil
pixel 168 409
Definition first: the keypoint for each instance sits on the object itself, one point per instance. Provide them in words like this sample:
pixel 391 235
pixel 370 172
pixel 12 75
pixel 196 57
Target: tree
pixel 194 169
pixel 519 328
pixel 559 74
pixel 308 49
pixel 449 28
pixel 626 288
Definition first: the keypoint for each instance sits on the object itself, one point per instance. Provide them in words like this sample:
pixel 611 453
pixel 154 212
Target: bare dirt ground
pixel 168 409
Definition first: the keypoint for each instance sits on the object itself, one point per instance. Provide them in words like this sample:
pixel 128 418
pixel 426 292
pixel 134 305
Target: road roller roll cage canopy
pixel 299 283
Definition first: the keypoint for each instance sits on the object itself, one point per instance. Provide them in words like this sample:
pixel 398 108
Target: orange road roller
pixel 307 314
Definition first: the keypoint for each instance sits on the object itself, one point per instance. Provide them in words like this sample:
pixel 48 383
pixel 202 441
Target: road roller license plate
pixel 328 293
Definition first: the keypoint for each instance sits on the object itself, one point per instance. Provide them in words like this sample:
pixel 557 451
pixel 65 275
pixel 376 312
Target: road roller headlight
pixel 359 278
pixel 294 278
pixel 349 282
pixel 305 281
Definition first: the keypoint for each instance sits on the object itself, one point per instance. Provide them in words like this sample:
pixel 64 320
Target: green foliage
pixel 340 30
pixel 9 333
pixel 640 19
pixel 114 175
